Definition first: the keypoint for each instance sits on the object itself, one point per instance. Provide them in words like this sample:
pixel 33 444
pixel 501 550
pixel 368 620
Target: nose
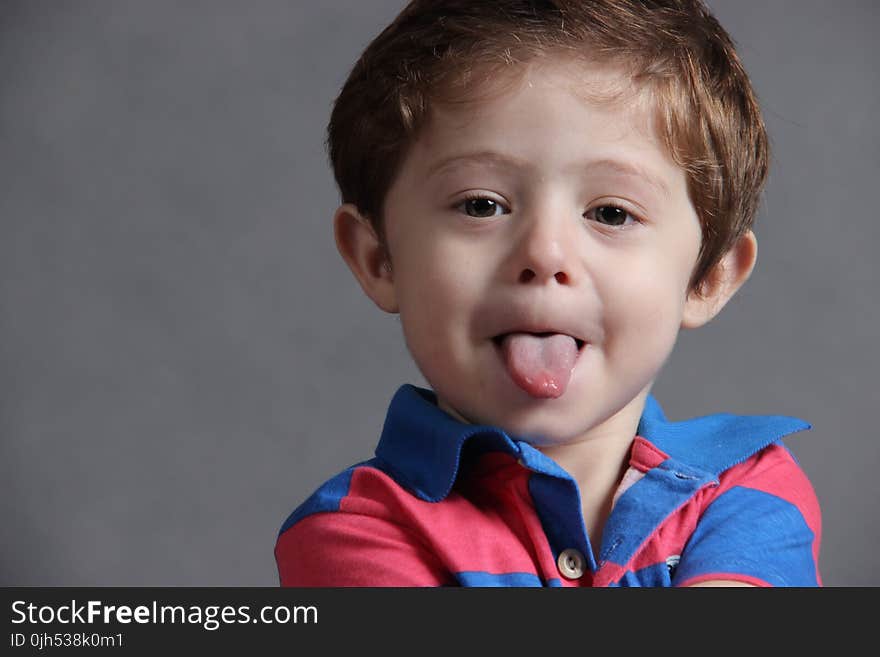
pixel 545 252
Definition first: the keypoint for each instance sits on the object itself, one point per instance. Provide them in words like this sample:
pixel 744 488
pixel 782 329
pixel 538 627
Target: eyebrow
pixel 632 170
pixel 502 160
pixel 490 158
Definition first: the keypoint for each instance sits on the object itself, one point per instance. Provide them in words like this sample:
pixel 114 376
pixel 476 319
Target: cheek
pixel 643 320
pixel 437 276
pixel 437 293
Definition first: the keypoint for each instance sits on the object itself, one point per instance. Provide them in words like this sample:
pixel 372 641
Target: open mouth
pixel 541 363
pixel 499 339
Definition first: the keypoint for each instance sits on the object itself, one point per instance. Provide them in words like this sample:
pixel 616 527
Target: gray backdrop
pixel 185 357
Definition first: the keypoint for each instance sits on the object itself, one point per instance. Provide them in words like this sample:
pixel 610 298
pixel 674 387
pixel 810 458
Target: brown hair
pixel 707 113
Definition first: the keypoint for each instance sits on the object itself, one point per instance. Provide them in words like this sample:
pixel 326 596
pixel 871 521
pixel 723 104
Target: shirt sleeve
pixel 762 527
pixel 357 530
pixel 346 549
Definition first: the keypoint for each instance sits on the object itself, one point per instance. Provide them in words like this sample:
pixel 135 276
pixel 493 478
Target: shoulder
pixel 356 529
pixel 742 454
pixel 364 487
pixel 774 471
pixel 760 524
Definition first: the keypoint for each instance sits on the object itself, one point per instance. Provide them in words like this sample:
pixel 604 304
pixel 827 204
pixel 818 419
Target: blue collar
pixel 421 445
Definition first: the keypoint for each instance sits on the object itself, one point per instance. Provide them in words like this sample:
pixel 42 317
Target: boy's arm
pixel 360 528
pixel 762 528
pixel 719 583
pixel 347 549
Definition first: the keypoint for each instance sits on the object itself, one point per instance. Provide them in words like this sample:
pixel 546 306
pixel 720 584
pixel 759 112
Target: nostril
pixel 526 276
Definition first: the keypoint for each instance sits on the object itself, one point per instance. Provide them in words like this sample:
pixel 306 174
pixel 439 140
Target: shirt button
pixel 570 563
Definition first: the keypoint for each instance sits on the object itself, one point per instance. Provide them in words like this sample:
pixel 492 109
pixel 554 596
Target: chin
pixel 541 428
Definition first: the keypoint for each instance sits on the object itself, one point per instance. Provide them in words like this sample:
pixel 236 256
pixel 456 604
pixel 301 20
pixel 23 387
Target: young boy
pixel 546 192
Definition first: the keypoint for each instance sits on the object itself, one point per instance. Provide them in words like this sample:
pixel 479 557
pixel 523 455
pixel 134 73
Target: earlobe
pixel 721 283
pixel 365 255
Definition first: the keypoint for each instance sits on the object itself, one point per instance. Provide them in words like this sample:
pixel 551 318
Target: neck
pixel 598 460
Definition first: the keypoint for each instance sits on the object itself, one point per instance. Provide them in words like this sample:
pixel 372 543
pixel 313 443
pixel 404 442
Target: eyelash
pixel 591 211
pixel 479 197
pixel 616 206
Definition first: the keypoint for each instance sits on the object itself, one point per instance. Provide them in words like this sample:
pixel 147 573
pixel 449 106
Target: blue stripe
pixel 754 533
pixel 657 574
pixel 480 578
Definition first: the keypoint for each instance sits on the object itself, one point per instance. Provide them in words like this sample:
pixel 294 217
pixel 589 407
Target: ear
pixel 721 283
pixel 365 255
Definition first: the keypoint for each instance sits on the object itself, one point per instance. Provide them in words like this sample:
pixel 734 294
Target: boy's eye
pixel 610 215
pixel 482 207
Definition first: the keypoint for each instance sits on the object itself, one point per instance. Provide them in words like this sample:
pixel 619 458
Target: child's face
pixel 585 229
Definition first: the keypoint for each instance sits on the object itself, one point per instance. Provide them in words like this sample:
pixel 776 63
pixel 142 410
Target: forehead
pixel 546 109
pixel 600 84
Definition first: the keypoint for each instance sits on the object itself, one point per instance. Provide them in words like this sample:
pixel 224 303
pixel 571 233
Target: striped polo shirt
pixel 445 503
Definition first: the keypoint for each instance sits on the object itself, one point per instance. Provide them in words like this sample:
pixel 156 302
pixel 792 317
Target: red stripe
pixel 645 456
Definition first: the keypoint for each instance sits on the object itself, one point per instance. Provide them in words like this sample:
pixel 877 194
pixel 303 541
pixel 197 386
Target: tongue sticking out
pixel 540 364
